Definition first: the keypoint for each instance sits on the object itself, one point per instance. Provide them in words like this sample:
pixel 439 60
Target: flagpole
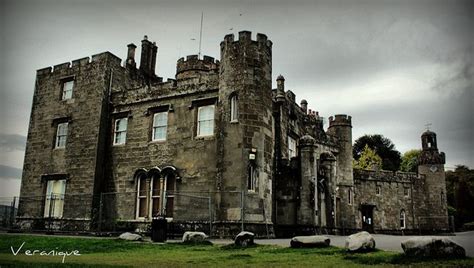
pixel 200 36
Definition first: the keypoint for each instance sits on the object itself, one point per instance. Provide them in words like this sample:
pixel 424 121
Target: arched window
pixel 402 219
pixel 234 109
pixel 141 197
pixel 163 187
pixel 155 192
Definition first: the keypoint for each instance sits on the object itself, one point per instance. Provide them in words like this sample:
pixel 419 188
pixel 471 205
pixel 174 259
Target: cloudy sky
pixel 393 65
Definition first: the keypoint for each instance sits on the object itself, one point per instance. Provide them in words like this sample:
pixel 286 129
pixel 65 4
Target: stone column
pixel 306 214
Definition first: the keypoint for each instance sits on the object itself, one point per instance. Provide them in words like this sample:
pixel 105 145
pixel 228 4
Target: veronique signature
pixel 29 252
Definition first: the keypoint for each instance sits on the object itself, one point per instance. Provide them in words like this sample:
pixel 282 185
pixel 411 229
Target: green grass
pixel 113 253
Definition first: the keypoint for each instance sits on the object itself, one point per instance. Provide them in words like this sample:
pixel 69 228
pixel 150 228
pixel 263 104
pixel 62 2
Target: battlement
pixel 340 120
pixel 385 175
pixel 79 63
pixel 192 63
pixel 246 37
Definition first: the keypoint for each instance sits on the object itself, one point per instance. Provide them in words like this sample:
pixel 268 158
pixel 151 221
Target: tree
pixel 410 160
pixel 382 146
pixel 368 160
pixel 460 193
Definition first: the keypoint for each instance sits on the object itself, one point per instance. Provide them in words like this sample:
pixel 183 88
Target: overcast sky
pixel 393 65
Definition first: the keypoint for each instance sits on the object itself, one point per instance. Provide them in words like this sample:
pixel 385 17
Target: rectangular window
pixel 406 191
pixel 54 202
pixel 67 87
pixel 402 220
pixel 160 125
pixel 141 198
pixel 349 196
pixel 252 179
pixel 61 135
pixel 205 125
pixel 234 112
pixel 120 131
pixel 291 147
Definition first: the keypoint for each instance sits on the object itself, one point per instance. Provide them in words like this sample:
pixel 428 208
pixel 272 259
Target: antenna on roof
pixel 200 36
pixel 428 125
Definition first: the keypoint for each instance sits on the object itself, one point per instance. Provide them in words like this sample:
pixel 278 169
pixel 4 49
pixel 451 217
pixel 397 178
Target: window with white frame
pixel 205 120
pixel 163 187
pixel 234 110
pixel 159 187
pixel 402 219
pixel 141 197
pixel 120 131
pixel 67 87
pixel 54 202
pixel 252 179
pixel 291 147
pixel 160 125
pixel 61 135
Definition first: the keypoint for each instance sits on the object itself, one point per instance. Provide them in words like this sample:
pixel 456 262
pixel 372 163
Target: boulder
pixel 130 237
pixel 244 239
pixel 195 237
pixel 312 241
pixel 360 242
pixel 433 247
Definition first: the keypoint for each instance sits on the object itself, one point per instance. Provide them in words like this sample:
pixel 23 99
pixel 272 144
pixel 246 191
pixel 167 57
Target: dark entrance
pixel 367 218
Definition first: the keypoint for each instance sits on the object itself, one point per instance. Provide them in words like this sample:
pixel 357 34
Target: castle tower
pixel 431 166
pixel 245 115
pixel 340 126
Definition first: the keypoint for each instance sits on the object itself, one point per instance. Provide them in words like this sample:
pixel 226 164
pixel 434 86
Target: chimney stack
pixel 131 56
pixel 148 57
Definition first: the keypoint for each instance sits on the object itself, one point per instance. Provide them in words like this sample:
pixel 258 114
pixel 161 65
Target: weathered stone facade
pixel 216 146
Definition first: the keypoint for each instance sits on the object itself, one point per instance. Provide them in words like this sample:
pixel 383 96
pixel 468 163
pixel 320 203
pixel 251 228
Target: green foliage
pixel 111 252
pixel 368 160
pixel 460 193
pixel 382 146
pixel 410 160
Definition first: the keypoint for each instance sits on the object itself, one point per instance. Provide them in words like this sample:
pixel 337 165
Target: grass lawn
pixel 114 252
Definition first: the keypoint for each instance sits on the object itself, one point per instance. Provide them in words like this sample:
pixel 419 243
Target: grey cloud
pixel 12 142
pixel 7 172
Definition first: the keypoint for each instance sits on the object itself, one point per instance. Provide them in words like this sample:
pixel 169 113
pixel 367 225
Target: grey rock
pixel 130 237
pixel 195 237
pixel 244 239
pixel 432 247
pixel 360 242
pixel 313 241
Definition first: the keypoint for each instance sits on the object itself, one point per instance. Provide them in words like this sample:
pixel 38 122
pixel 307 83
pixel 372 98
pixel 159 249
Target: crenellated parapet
pixel 245 37
pixel 386 175
pixel 193 66
pixel 82 62
pixel 340 120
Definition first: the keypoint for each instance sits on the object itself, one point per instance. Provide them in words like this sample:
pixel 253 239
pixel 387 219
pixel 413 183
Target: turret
pixel 431 168
pixel 340 126
pixel 430 153
pixel 245 74
pixel 280 97
pixel 195 67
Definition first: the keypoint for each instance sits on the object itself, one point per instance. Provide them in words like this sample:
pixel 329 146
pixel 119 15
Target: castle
pixel 112 146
